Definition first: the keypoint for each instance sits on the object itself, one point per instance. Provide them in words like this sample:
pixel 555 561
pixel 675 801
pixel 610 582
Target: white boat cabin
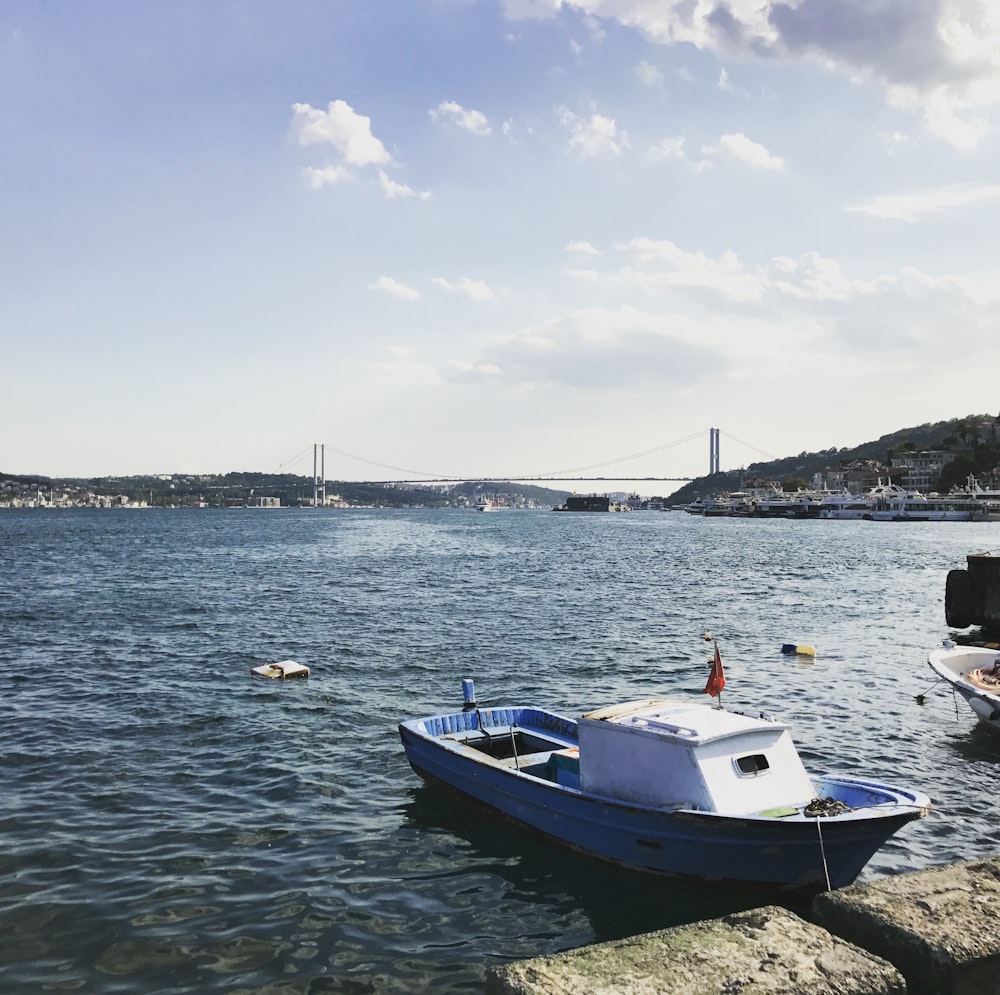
pixel 674 753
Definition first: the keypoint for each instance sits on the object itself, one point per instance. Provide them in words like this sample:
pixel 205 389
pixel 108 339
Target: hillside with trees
pixel 237 489
pixel 973 443
pixel 957 435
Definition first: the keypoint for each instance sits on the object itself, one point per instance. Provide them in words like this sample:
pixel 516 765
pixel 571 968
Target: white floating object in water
pixel 281 670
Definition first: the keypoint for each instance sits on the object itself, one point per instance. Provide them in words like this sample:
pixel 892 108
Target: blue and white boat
pixel 667 787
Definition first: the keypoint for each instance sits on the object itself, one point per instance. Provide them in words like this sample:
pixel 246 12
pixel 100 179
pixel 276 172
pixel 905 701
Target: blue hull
pixel 794 854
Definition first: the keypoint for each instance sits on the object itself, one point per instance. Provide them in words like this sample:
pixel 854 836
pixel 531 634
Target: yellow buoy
pixel 792 648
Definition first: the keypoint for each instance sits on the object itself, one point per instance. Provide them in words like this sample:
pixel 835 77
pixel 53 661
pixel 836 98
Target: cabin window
pixel 752 764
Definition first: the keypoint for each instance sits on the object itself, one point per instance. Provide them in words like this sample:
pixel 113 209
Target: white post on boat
pixel 468 694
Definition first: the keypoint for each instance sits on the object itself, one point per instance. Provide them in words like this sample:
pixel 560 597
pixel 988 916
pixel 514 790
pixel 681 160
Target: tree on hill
pixel 918 438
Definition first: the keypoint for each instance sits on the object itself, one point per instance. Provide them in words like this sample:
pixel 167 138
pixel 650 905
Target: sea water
pixel 170 824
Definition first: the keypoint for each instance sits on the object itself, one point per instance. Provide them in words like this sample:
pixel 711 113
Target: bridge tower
pixel 713 451
pixel 319 479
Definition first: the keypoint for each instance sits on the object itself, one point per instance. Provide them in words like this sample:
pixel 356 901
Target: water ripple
pixel 172 825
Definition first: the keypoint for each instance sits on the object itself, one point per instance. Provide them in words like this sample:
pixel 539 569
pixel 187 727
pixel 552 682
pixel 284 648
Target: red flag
pixel 716 676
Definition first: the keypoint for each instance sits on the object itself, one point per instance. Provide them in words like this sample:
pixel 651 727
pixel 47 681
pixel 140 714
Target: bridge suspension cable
pixel 550 474
pixel 397 469
pixel 747 444
pixel 559 474
pixel 288 464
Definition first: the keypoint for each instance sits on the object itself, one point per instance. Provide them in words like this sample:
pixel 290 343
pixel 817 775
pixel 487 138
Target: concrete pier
pixel 941 927
pixel 934 932
pixel 766 951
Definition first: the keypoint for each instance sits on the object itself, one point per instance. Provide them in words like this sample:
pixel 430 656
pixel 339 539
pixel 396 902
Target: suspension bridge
pixel 581 474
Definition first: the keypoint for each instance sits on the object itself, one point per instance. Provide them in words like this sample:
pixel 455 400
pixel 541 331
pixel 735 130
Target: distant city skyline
pixel 497 236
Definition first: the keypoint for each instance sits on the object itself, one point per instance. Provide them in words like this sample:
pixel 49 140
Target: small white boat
pixel 974 672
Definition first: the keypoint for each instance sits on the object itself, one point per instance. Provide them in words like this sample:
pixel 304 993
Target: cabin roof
pixel 682 721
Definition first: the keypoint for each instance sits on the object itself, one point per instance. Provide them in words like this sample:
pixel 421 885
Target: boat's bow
pixel 974 672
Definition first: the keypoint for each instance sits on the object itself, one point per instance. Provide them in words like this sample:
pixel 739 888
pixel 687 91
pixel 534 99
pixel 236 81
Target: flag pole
pixel 718 674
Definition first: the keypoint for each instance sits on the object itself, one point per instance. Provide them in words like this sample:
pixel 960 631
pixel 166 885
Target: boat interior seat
pixel 525 760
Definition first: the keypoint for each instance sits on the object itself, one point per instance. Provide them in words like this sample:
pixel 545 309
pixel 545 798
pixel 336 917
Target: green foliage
pixel 931 435
pixel 234 489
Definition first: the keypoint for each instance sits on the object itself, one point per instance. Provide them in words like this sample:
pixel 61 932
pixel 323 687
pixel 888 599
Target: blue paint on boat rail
pixel 493 720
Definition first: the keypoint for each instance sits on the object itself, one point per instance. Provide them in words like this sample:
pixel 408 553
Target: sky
pixel 491 238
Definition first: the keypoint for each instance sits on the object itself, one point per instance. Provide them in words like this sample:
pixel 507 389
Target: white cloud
pixel 742 148
pixel 340 126
pixel 592 136
pixel 668 148
pixel 665 267
pixel 595 29
pixel 394 288
pixel 935 58
pixel 675 149
pixel 598 348
pixel 913 206
pixel 982 293
pixel 401 372
pixel 350 135
pixel 531 8
pixel 584 248
pixel 393 190
pixel 461 371
pixel 648 75
pixel 326 176
pixel 586 275
pixel 469 120
pixel 815 278
pixel 946 114
pixel 476 290
pixel 894 138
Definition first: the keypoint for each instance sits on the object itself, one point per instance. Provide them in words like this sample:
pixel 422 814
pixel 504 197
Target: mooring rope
pixel 922 698
pixel 822 850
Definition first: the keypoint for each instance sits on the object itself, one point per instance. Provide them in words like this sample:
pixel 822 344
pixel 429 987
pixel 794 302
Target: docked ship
pixel 585 502
pixel 782 504
pixel 845 505
pixel 915 507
